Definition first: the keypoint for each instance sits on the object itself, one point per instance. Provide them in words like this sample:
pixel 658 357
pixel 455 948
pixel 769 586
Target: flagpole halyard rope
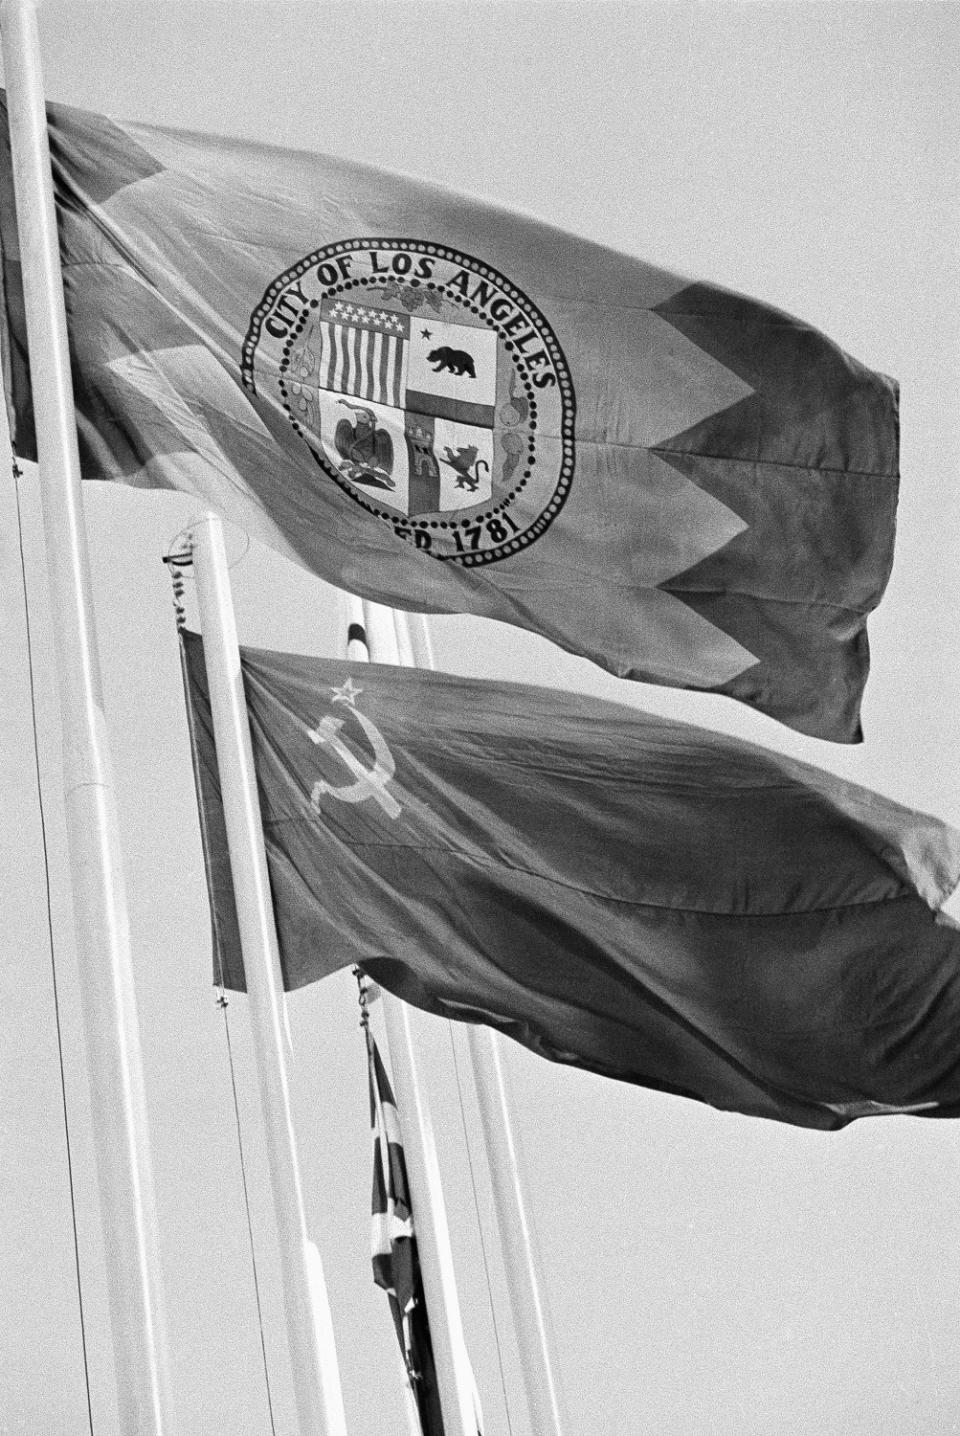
pixel 137 1329
pixel 311 1342
pixel 223 1004
pixel 483 1245
pixel 176 563
pixel 17 475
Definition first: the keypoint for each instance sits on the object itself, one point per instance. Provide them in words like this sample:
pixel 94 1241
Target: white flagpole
pixel 111 1033
pixel 454 1378
pixel 316 1376
pixel 521 1266
pixel 544 1401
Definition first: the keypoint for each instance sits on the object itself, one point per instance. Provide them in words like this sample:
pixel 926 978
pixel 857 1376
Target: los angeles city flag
pixel 639 897
pixel 447 407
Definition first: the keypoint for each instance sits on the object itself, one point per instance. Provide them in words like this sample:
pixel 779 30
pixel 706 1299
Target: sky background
pixel 705 1273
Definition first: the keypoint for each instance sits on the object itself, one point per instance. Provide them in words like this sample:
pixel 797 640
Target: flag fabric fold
pixel 634 896
pixel 448 407
pixel 396 1262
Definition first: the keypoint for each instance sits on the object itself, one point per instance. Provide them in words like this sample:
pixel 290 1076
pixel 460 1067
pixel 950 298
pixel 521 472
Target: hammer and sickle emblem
pixel 369 782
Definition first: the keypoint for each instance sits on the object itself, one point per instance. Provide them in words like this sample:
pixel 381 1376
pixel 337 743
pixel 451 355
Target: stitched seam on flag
pixel 667 907
pixel 746 462
pixel 357 847
pixel 586 773
pixel 124 264
pixel 767 598
pixel 120 263
pixel 673 588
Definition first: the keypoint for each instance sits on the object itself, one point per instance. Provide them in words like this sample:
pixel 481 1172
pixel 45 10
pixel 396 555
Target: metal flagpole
pixel 454 1378
pixel 316 1375
pixel 112 1039
pixel 516 1235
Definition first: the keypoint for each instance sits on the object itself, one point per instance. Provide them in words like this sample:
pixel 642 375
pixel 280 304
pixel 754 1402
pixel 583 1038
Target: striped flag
pixel 396 1266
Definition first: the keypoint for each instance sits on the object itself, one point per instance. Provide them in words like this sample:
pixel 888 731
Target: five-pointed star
pixel 427 333
pixel 347 693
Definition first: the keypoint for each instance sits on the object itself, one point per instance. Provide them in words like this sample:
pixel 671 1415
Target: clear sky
pixel 706 1273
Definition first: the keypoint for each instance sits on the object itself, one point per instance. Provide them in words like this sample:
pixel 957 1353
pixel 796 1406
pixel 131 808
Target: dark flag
pixel 617 891
pixel 451 408
pixel 396 1264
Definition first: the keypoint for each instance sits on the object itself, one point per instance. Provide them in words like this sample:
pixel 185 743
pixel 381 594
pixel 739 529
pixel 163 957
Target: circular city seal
pixel 425 385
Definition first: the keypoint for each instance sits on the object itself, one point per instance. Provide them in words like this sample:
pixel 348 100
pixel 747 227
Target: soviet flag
pixel 639 897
